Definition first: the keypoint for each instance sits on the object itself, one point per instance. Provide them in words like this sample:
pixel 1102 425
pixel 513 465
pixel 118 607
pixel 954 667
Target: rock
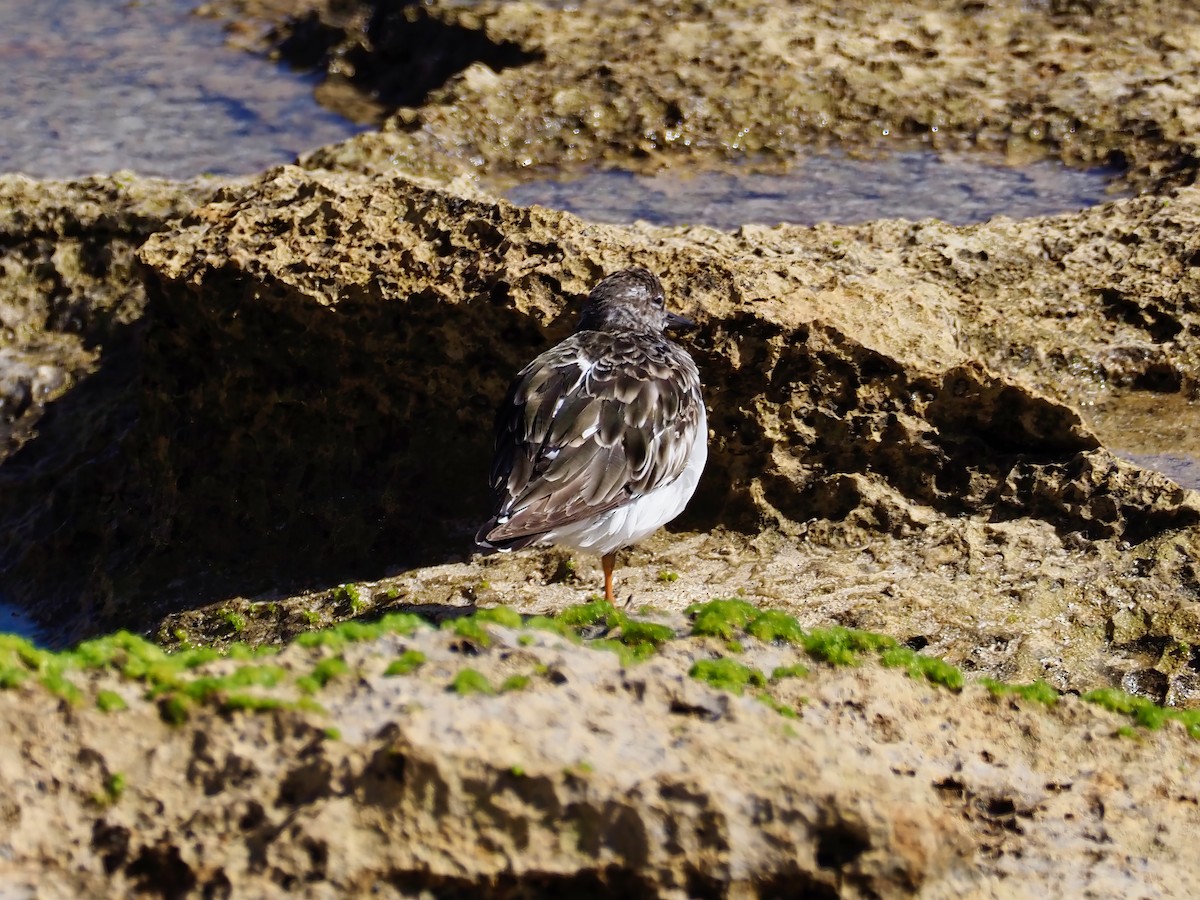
pixel 293 387
pixel 66 281
pixel 324 353
pixel 665 83
pixel 598 779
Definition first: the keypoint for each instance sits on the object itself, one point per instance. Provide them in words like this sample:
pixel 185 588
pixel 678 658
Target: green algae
pixel 174 709
pixel 515 683
pixel 323 672
pixel 788 712
pixel 469 628
pixel 351 596
pixel 666 576
pixel 1037 691
pixel 57 683
pixel 930 668
pixel 781 672
pixel 170 676
pixel 586 615
pixel 772 625
pixel 354 632
pixel 840 646
pixel 114 787
pixel 407 662
pixel 721 618
pixel 635 632
pixel 1143 712
pixel 207 687
pixel 552 625
pixel 110 701
pixel 252 703
pixel 499 615
pixel 471 681
pixel 629 654
pixel 234 620
pixel 726 674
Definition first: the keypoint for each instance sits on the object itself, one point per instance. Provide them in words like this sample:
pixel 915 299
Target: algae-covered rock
pixel 512 760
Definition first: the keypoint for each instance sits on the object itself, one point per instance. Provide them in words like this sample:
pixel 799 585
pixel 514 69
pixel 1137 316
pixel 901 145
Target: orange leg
pixel 608 560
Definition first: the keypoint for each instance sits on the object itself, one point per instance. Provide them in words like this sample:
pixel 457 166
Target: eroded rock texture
pixel 593 780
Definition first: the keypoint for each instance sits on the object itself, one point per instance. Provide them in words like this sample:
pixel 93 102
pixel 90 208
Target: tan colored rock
pixel 640 781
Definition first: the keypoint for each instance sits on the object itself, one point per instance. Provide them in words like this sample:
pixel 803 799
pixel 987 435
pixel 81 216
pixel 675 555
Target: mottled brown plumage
pixel 608 420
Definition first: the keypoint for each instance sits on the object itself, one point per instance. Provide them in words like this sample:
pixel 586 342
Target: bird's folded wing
pixel 588 426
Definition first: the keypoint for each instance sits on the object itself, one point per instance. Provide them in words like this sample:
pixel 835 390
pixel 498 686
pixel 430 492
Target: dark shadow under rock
pixel 396 53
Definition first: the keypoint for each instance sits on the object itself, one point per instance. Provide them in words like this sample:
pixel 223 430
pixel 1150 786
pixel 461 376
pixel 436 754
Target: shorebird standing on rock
pixel 601 439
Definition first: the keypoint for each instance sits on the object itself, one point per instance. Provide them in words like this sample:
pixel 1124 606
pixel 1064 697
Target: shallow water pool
pixel 145 85
pixel 827 187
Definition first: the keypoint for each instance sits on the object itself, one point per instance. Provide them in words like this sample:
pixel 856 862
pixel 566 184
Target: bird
pixel 601 439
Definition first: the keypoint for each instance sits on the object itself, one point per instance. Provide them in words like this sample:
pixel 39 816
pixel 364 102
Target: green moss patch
pixel 110 701
pixel 500 615
pixel 721 618
pixel 515 683
pixel 931 668
pixel 323 672
pixel 1038 691
pixel 407 662
pixel 772 625
pixel 779 673
pixel 1143 712
pixel 339 636
pixel 727 674
pixel 635 632
pixel 471 681
pixel 351 596
pixel 586 615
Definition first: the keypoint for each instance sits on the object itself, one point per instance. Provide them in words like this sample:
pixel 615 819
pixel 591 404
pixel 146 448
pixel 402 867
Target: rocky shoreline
pixel 258 400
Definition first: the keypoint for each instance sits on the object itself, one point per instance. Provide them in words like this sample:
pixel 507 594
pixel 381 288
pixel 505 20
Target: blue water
pixel 826 187
pixel 14 621
pixel 94 87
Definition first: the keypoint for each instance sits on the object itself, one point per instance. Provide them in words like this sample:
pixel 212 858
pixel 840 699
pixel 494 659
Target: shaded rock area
pixel 587 778
pixel 221 401
pixel 67 281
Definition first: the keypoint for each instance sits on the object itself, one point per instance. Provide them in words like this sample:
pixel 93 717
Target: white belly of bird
pixel 639 518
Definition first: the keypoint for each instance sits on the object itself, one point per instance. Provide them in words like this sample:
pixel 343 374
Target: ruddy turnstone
pixel 601 439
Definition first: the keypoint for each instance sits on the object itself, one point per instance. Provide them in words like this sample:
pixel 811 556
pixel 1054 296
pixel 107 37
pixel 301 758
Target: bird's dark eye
pixel 660 300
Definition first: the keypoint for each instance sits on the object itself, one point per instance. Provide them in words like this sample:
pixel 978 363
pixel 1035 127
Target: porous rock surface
pixel 674 81
pixel 67 286
pixel 593 780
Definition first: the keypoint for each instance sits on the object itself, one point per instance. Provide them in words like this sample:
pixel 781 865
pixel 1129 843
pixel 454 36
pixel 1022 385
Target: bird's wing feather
pixel 589 425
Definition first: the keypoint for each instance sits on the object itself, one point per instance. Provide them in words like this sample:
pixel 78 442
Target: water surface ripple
pixel 827 187
pixel 97 87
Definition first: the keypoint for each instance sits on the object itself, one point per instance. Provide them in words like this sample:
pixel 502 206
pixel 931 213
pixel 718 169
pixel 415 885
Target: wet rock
pixel 664 83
